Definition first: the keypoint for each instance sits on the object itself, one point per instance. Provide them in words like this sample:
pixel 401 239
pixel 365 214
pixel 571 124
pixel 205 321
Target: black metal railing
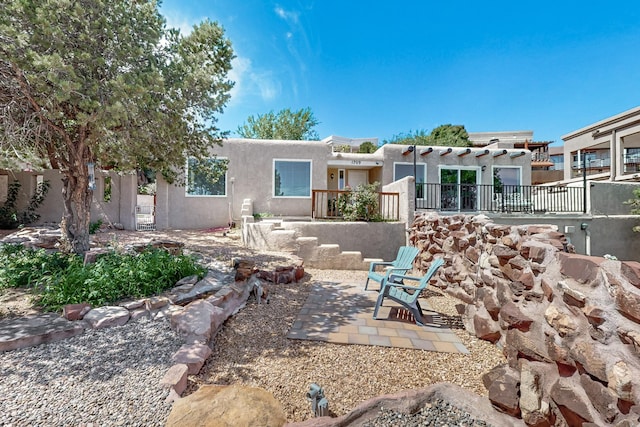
pixel 502 198
pixel 324 204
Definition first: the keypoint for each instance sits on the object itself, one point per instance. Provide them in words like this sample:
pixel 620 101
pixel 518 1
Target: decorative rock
pixel 582 268
pixel 512 317
pixel 631 270
pixel 628 303
pixel 218 406
pixel 75 311
pixel 91 256
pixel 106 317
pixel 38 329
pixel 620 380
pixel 138 313
pixel 603 399
pixel 535 411
pixel 503 383
pixel 189 280
pixel 132 305
pixel 592 357
pixel 195 320
pixel 157 302
pixel 571 296
pixel 485 327
pixel 192 355
pixel 176 378
pixel 206 286
pixel 561 321
pixel 573 400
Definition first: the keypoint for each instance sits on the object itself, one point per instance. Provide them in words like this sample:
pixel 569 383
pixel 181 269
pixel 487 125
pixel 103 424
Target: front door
pixel 356 177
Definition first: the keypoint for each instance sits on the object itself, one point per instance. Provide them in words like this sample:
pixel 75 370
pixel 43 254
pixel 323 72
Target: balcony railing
pixel 324 204
pixel 503 198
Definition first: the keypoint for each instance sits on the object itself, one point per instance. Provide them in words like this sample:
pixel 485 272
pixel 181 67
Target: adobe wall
pixel 568 324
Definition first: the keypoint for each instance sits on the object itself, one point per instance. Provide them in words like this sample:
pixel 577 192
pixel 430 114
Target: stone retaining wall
pixel 569 325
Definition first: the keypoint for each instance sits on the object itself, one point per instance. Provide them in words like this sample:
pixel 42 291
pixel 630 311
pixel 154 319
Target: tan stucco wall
pixel 249 176
pixel 119 210
pixel 371 239
pixel 392 154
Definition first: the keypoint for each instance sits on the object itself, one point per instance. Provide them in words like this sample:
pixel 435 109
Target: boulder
pixel 221 406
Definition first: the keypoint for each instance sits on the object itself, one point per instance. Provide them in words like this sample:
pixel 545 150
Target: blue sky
pixel 377 69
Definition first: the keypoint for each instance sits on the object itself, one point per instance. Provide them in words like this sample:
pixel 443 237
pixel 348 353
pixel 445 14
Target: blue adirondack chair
pixel 402 264
pixel 397 290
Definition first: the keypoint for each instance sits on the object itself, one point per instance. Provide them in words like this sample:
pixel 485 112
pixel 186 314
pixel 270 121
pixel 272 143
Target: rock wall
pixel 568 324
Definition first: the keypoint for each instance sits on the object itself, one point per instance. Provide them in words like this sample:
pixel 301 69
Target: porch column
pixel 619 153
pixel 615 161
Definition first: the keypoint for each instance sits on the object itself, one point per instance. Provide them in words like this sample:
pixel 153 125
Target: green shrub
pixel 59 279
pixel 360 204
pixel 95 226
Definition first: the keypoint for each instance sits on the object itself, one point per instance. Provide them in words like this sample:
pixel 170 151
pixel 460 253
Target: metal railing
pixel 503 198
pixel 324 204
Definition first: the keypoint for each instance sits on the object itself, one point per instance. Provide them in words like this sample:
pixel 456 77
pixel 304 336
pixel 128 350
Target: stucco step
pixel 327 250
pixel 370 260
pixel 306 247
pixel 349 260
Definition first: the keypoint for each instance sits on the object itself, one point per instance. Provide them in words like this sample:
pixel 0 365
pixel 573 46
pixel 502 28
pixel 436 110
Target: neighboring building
pixel 608 149
pixel 540 159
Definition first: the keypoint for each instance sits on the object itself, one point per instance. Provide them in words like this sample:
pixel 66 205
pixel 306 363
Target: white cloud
pixel 250 82
pixel 183 24
pixel 292 17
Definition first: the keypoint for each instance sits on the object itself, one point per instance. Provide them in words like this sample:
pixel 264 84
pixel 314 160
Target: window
pixel 207 178
pixel 402 170
pixel 459 188
pixel 106 193
pixel 506 179
pixel 292 178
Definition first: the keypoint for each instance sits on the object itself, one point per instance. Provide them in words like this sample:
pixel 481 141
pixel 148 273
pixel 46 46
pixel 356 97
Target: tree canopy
pixel 106 82
pixel 285 124
pixel 449 135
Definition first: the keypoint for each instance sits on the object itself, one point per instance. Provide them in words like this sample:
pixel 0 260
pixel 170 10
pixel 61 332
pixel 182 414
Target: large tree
pixel 105 82
pixel 450 135
pixel 285 124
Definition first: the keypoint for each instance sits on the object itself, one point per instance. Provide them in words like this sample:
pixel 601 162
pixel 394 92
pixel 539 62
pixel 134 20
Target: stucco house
pixel 281 177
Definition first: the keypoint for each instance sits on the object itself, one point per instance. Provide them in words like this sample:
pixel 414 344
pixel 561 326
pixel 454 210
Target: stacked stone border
pixel 568 324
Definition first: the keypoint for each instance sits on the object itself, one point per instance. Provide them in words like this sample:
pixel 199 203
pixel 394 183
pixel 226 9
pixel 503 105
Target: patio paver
pixel 342 313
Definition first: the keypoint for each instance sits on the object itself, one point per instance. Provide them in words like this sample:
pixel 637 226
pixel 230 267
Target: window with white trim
pixel 292 178
pixel 207 177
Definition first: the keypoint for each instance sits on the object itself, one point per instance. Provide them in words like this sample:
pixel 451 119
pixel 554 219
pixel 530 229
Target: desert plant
pixel 360 204
pixel 58 279
pixel 95 226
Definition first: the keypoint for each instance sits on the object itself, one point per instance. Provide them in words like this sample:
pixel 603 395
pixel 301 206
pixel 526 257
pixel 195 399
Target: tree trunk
pixel 77 210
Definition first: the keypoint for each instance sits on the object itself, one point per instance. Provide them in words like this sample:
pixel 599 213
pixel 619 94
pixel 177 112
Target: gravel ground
pixel 105 376
pixel 437 414
pixel 111 377
pixel 252 349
